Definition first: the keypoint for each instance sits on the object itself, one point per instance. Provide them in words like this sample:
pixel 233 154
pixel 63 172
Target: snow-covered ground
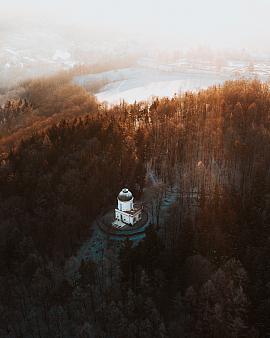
pixel 149 78
pixel 141 83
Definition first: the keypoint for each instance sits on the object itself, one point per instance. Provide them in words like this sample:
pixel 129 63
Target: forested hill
pixel 204 273
pixel 40 103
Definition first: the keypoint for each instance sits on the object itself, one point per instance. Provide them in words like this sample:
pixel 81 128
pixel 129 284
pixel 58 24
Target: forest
pixel 203 272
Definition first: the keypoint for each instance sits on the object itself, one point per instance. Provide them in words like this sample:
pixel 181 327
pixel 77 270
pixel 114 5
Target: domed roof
pixel 125 195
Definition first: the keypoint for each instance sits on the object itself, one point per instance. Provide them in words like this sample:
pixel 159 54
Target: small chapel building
pixel 127 212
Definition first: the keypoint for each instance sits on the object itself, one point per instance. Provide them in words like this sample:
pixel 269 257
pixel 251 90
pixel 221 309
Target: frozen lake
pixel 141 83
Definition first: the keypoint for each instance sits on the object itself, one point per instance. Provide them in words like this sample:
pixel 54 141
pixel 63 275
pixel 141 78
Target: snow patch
pixel 141 83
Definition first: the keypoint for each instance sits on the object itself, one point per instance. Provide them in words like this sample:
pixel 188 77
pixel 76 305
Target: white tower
pixel 125 200
pixel 126 212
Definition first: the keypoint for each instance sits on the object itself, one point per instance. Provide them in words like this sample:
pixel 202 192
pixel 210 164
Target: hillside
pixel 201 272
pixel 37 104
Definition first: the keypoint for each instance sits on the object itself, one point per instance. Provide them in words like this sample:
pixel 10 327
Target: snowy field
pixel 142 83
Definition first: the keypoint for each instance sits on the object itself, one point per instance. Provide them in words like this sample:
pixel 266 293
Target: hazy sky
pixel 228 23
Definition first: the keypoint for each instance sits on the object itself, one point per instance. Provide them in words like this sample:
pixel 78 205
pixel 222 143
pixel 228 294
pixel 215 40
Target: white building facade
pixel 127 212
